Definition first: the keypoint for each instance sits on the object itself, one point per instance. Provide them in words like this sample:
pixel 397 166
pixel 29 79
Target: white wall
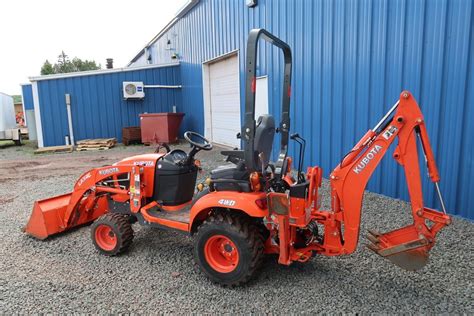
pixel 7 112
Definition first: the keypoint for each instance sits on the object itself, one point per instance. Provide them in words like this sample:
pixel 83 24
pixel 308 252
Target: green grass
pixel 25 144
pixel 5 143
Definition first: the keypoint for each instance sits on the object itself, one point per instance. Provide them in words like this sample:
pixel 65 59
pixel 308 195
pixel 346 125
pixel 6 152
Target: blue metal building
pixel 27 95
pixel 98 108
pixel 351 61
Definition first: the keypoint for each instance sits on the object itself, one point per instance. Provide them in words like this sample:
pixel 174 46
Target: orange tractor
pixel 254 207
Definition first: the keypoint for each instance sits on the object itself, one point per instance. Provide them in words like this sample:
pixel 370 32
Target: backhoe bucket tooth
pixel 48 216
pixel 405 247
pixel 374 233
pixel 373 239
pixel 373 247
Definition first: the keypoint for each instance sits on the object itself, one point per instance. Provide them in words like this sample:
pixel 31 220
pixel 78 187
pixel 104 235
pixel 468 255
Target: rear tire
pixel 228 248
pixel 112 234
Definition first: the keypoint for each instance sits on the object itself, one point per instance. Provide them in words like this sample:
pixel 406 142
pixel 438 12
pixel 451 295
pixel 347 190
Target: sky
pixel 32 31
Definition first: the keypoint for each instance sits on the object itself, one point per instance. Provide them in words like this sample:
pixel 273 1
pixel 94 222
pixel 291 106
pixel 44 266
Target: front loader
pixel 253 206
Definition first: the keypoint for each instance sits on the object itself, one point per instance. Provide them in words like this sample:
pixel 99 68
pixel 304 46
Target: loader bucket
pixel 49 216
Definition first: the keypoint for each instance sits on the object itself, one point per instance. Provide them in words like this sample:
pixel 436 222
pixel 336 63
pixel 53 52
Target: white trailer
pixel 8 128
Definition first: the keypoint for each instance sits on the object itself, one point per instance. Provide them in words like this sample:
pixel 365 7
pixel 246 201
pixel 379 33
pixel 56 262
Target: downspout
pixel 69 118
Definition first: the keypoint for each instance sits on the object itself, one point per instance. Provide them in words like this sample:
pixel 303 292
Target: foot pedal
pixel 155 211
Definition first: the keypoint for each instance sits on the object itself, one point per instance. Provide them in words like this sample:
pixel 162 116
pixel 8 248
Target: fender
pixel 228 199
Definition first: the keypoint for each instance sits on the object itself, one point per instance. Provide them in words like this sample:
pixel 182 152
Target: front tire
pixel 112 234
pixel 228 249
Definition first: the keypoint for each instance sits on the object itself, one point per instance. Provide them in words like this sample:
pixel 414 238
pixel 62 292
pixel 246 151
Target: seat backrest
pixel 264 134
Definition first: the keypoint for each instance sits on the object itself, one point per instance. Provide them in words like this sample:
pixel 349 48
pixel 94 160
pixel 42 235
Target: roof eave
pixel 181 12
pixel 99 72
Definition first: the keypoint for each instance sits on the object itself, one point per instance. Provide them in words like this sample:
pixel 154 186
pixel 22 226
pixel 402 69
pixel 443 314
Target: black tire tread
pixel 249 231
pixel 123 231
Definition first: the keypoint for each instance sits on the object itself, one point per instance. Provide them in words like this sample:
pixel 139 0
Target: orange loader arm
pixel 408 246
pixel 86 202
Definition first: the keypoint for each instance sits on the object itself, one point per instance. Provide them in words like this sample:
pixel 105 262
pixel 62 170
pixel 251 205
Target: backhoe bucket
pixel 409 247
pixel 49 216
pixel 403 247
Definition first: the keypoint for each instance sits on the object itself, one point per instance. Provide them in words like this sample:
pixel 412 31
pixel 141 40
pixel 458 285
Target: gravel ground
pixel 65 274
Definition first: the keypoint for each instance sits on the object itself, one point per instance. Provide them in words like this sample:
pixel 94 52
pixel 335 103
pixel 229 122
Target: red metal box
pixel 160 127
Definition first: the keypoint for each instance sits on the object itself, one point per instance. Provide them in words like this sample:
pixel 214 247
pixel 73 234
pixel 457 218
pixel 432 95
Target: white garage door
pixel 225 101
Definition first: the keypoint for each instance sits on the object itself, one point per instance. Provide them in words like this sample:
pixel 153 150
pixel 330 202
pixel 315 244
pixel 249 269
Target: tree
pixel 64 65
pixel 83 65
pixel 47 68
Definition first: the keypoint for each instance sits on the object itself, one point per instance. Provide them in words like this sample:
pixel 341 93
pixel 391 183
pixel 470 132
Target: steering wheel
pixel 204 144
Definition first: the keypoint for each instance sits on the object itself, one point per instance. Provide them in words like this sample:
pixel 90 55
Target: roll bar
pixel 248 128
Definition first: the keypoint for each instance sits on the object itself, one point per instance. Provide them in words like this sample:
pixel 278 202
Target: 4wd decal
pixel 108 171
pixel 368 157
pixel 226 202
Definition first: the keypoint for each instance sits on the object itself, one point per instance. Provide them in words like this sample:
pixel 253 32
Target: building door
pixel 224 101
pixel 261 97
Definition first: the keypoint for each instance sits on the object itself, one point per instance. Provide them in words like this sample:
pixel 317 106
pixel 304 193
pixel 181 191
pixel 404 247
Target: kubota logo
pixel 146 163
pixel 365 161
pixel 108 171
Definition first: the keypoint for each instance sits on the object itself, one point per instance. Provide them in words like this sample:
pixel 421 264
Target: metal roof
pixel 181 12
pixel 98 72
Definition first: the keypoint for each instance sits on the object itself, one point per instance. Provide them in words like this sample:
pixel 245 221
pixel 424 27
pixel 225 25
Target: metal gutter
pixel 98 72
pixel 162 86
pixel 181 12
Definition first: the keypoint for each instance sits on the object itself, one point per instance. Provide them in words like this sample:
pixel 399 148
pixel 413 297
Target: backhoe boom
pixel 408 246
pixel 349 179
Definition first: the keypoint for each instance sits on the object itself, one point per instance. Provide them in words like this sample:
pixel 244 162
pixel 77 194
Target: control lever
pixel 297 138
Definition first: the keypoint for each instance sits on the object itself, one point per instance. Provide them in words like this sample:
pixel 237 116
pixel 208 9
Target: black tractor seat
pixel 230 178
pixel 236 177
pixel 234 172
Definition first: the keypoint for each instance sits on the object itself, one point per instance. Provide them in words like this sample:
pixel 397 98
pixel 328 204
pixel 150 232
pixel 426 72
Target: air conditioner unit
pixel 133 90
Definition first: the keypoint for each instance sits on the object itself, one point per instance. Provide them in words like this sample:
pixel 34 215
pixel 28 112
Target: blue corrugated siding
pixel 351 61
pixel 27 93
pixel 97 104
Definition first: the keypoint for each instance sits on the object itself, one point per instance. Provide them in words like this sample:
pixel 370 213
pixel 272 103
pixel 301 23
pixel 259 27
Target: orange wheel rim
pixel 105 237
pixel 221 254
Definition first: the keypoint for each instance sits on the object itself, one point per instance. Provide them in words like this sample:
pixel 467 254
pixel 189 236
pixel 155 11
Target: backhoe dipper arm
pixel 350 177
